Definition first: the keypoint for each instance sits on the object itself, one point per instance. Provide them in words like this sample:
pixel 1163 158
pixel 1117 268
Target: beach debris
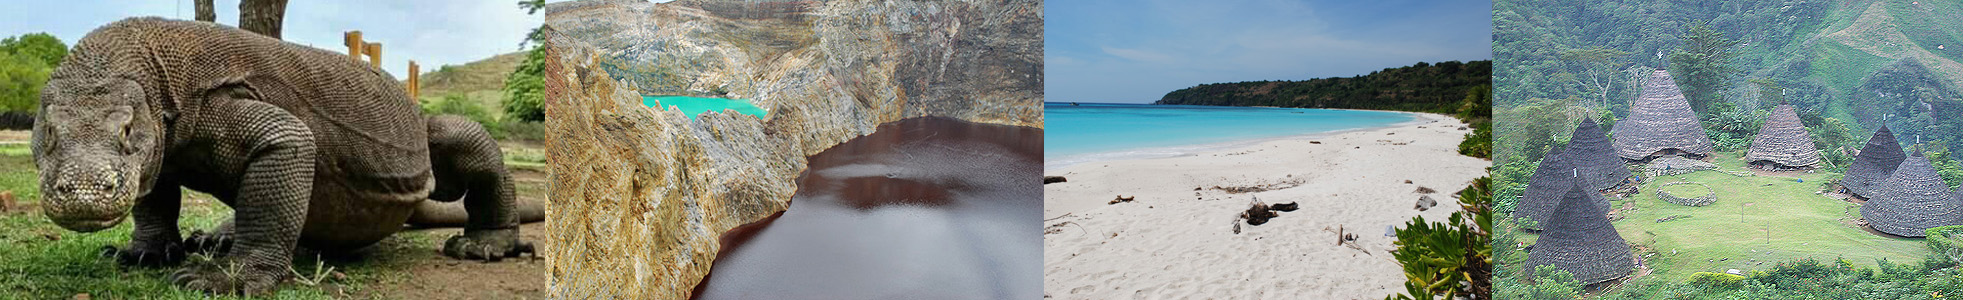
pixel 1343 236
pixel 1196 188
pixel 1425 203
pixel 1315 142
pixel 1122 199
pixel 1259 212
pixel 1461 127
pixel 1058 227
pixel 1422 189
pixel 1407 181
pixel 1053 179
pixel 1284 184
pixel 1390 133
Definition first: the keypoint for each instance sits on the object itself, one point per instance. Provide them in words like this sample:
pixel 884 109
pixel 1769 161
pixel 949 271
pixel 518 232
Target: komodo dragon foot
pixel 147 253
pixel 489 245
pixel 230 275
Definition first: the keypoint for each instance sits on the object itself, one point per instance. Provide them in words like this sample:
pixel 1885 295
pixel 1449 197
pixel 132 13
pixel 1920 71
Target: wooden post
pixel 415 84
pixel 374 54
pixel 353 40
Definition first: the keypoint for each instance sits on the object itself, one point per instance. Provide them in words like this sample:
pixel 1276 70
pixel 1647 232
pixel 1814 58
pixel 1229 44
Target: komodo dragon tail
pixel 452 214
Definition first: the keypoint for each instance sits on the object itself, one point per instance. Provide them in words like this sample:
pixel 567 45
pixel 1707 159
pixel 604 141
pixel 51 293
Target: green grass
pixel 39 260
pixel 1757 222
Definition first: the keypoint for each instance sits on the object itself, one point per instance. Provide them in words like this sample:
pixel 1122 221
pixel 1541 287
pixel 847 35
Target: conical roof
pixel 1580 239
pixel 1590 151
pixel 1876 161
pixel 1660 119
pixel 1548 184
pixel 1782 140
pixel 1911 200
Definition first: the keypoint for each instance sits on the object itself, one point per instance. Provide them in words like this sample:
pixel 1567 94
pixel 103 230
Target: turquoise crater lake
pixel 693 106
pixel 1087 132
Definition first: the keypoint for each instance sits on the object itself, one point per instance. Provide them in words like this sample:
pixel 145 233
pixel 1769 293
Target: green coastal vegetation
pixel 1423 87
pixel 1848 67
pixel 1460 89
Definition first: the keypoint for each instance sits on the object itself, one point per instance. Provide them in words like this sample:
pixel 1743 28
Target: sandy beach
pixel 1173 241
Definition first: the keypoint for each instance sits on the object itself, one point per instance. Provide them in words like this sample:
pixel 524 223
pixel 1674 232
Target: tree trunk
pixel 262 16
pixel 205 12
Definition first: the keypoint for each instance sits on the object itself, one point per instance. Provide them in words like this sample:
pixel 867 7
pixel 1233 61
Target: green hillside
pixel 1849 66
pixel 479 81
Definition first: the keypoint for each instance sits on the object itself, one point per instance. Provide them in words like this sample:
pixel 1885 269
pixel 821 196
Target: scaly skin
pixel 309 148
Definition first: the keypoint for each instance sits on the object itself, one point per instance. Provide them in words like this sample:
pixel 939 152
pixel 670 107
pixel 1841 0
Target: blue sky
pixel 1135 51
pixel 433 33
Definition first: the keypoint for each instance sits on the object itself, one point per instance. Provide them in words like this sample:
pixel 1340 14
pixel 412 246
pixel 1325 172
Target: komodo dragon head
pixel 98 144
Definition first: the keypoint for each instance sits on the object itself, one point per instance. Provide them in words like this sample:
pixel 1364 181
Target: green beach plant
pixel 1452 259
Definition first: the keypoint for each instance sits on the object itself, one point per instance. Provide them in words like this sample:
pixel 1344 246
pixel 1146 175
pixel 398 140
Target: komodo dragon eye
pixel 128 147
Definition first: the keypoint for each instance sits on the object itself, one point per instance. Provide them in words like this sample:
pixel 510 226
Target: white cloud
pixel 1139 55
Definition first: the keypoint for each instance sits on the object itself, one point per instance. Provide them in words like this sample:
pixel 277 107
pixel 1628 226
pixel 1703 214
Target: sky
pixel 433 33
pixel 1134 51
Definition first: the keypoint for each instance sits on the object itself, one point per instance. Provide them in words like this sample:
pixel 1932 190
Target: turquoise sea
pixel 1089 132
pixel 693 106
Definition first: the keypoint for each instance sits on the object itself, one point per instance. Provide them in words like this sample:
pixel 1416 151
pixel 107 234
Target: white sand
pixel 1170 243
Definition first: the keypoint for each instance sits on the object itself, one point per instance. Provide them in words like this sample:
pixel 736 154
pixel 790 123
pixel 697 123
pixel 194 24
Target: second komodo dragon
pixel 309 147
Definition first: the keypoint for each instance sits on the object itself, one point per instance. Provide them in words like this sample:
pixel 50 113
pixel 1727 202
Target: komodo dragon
pixel 309 147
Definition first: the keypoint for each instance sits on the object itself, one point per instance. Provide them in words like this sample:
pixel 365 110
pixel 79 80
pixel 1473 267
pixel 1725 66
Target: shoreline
pixel 1177 239
pixel 1196 149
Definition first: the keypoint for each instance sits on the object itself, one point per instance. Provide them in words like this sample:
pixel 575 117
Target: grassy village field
pixel 1757 222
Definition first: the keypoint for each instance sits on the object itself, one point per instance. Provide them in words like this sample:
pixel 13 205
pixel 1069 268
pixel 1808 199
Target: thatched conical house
pixel 1876 161
pixel 1578 238
pixel 1548 184
pixel 1912 200
pixel 1660 123
pixel 1545 189
pixel 1591 152
pixel 1782 142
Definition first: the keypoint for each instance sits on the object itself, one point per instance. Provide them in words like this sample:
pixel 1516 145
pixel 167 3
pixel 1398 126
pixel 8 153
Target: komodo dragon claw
pixel 146 254
pixel 230 276
pixel 489 245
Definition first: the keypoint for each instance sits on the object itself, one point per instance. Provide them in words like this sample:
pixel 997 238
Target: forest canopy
pixel 1424 87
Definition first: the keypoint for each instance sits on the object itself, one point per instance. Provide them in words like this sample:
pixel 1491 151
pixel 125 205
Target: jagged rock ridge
pixel 640 197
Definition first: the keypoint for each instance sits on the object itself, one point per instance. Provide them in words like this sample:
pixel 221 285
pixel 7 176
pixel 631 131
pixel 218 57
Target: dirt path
pixel 434 276
pixel 439 277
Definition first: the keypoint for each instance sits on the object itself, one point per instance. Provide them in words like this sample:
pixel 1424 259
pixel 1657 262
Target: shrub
pixel 1479 143
pixel 1449 260
pixel 524 89
pixel 460 105
pixel 1717 280
pixel 1942 242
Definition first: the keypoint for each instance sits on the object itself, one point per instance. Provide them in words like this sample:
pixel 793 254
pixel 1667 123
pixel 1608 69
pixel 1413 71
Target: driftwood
pixel 1053 179
pixel 1122 199
pixel 1259 212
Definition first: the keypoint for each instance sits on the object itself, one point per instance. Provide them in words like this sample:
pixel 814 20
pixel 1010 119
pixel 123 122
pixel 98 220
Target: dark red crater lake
pixel 923 208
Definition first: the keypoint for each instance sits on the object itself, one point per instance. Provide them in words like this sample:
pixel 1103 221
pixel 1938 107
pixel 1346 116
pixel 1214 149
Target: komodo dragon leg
pixel 271 203
pixel 468 165
pixel 154 242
